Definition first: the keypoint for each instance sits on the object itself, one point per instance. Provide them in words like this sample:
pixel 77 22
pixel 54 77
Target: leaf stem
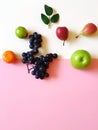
pixel 49 25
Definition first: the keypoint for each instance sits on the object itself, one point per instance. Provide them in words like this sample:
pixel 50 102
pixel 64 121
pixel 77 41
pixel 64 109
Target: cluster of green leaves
pixel 49 17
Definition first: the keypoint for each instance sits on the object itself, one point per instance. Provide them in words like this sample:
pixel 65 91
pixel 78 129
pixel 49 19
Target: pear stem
pixel 77 36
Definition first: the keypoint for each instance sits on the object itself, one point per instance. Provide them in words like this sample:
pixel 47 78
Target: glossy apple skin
pixel 21 32
pixel 80 59
pixel 62 33
pixel 89 29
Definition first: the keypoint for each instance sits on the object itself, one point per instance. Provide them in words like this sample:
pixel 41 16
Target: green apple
pixel 21 32
pixel 80 59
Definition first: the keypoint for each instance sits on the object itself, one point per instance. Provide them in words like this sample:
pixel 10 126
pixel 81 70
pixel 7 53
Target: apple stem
pixel 63 43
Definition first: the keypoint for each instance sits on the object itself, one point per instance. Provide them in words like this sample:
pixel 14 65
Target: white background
pixel 74 14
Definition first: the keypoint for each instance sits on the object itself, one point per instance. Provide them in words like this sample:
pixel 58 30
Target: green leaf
pixel 45 19
pixel 48 10
pixel 55 18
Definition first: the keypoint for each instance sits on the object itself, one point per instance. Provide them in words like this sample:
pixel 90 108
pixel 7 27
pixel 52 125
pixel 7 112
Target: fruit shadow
pixel 54 11
pixel 53 69
pixel 44 49
pixel 93 67
pixel 29 33
pixel 53 66
pixel 72 36
pixel 95 34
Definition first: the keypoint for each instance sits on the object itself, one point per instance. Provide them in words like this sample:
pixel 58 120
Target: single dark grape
pixel 33 72
pixel 35 34
pixel 31 36
pixel 55 55
pixel 24 60
pixel 36 76
pixel 24 54
pixel 50 55
pixel 41 57
pixel 31 39
pixel 35 51
pixel 31 46
pixel 39 36
pixel 35 41
pixel 46 74
pixel 46 64
pixel 42 68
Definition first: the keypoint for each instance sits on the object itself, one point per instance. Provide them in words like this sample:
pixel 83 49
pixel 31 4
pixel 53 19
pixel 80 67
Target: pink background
pixel 68 100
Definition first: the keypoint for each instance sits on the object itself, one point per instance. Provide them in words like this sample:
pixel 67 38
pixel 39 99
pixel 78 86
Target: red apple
pixel 62 33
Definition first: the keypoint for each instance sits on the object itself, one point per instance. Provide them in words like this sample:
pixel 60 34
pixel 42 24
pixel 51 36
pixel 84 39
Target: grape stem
pixel 28 68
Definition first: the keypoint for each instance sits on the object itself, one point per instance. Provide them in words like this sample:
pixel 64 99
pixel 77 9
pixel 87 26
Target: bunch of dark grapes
pixel 41 65
pixel 28 57
pixel 35 41
pixel 38 64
